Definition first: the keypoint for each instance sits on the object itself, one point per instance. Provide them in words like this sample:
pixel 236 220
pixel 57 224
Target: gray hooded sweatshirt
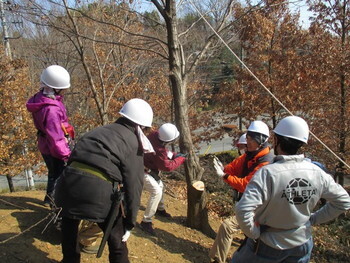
pixel 282 196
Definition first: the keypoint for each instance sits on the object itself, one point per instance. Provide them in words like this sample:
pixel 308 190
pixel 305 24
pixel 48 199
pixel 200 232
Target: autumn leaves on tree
pixel 171 57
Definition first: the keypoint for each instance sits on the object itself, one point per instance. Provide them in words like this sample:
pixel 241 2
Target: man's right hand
pixel 126 236
pixel 219 168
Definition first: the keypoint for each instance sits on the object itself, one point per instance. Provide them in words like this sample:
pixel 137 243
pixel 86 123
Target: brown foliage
pixel 17 130
pixel 308 71
pixel 271 40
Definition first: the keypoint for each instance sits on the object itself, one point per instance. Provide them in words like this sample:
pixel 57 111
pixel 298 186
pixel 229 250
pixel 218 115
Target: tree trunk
pixel 10 182
pixel 197 216
pixel 197 212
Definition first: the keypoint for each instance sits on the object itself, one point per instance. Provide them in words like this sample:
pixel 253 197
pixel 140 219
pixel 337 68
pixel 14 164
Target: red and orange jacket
pixel 240 170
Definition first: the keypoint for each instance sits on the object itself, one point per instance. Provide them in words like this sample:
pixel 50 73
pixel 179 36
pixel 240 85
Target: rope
pixel 29 228
pixel 54 217
pixel 8 203
pixel 54 214
pixel 262 84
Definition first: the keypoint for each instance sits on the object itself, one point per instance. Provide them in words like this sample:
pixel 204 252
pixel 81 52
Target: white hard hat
pixel 293 127
pixel 138 111
pixel 242 139
pixel 55 77
pixel 168 132
pixel 259 127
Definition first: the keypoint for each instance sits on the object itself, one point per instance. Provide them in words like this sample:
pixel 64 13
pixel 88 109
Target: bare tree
pixel 86 34
pixel 161 38
pixel 179 71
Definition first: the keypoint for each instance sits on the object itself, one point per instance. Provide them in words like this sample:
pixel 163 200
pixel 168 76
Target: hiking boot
pixel 163 213
pixel 147 227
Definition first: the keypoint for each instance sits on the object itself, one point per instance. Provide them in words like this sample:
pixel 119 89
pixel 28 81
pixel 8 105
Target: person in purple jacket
pixel 161 160
pixel 51 121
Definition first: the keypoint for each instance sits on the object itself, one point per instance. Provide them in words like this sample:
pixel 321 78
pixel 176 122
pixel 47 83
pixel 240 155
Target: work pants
pixel 262 253
pixel 118 251
pixel 55 167
pixel 90 233
pixel 223 240
pixel 156 199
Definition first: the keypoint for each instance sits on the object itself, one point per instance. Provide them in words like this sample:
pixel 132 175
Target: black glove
pixel 181 155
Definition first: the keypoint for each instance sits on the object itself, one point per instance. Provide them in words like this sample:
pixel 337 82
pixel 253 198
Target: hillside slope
pixel 174 242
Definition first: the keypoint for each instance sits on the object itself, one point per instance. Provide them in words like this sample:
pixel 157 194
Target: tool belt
pixel 91 170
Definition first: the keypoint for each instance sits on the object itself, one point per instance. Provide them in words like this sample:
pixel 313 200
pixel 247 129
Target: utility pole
pixel 5 32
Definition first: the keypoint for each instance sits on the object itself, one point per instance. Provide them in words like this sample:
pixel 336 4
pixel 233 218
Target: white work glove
pixel 126 236
pixel 170 154
pixel 219 168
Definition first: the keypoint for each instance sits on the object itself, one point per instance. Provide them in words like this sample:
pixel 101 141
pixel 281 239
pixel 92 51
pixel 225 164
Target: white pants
pixel 156 199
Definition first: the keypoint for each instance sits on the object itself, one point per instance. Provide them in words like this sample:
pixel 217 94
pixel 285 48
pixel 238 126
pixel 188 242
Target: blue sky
pixel 295 5
pixel 304 14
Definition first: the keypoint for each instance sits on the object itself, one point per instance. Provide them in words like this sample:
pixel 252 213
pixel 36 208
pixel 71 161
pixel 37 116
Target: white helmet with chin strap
pixel 138 111
pixel 55 77
pixel 293 127
pixel 259 127
pixel 259 131
pixel 168 132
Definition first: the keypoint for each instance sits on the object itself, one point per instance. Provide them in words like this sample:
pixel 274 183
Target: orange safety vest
pixel 236 179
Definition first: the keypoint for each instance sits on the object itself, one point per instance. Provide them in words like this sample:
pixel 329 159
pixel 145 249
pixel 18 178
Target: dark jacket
pixel 114 150
pixel 160 160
